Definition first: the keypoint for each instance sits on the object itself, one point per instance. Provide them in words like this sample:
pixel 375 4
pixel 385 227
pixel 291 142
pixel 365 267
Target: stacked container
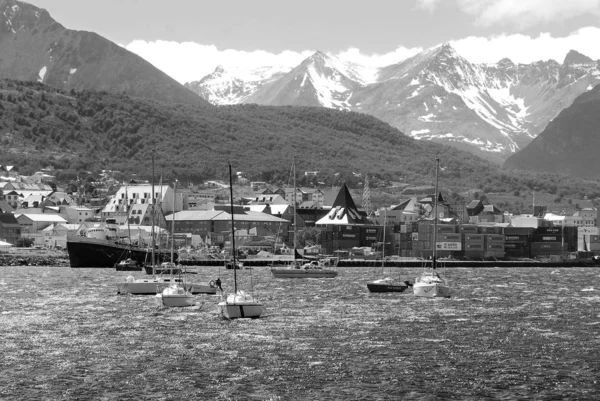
pixel 517 242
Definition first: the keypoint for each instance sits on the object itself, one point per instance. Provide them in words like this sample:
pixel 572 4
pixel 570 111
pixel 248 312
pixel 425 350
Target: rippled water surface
pixel 505 334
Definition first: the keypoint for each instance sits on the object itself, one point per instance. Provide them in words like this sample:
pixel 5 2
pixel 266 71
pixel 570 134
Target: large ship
pixel 102 247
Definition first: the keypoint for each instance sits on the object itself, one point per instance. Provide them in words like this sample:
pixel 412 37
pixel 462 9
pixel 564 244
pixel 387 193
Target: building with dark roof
pixel 10 229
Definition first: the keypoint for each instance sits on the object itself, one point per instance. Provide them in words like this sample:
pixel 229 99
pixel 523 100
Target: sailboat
pixel 301 267
pixel 150 286
pixel 430 284
pixel 387 284
pixel 177 294
pixel 240 304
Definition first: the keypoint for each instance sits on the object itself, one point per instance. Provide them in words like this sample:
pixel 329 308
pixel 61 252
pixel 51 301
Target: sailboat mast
pixel 127 216
pixel 173 221
pixel 153 212
pixel 435 212
pixel 295 193
pixel 232 233
pixel 383 242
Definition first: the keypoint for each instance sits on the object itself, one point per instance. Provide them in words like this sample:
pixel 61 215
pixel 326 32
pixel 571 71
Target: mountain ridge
pixel 35 47
pixel 493 110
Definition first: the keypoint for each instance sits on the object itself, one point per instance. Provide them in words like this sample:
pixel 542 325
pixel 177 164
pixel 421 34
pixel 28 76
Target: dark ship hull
pixel 91 252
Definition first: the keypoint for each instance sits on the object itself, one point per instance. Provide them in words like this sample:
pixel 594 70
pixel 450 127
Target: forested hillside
pixel 88 131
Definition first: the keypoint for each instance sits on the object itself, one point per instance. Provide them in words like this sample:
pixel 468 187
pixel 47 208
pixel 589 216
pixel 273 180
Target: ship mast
pixel 153 212
pixel 435 212
pixel 232 233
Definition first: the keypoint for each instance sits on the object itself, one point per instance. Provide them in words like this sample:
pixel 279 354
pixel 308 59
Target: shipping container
pixel 545 246
pixel 516 238
pixel 494 254
pixel 448 246
pixel 474 246
pixel 548 230
pixel 346 236
pixel 474 238
pixel 468 229
pixel 517 253
pixel 449 237
pixel 594 238
pixel 515 245
pixel 446 228
pixel 518 230
pixel 494 238
pixel 499 247
pixel 473 254
pixel 547 238
pixel 415 236
pixel 490 230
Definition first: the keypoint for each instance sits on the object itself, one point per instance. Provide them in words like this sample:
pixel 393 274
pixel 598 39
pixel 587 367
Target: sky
pixel 188 39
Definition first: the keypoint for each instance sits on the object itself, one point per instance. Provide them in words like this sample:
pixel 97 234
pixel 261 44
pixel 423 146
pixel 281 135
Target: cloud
pixel 427 4
pixel 189 61
pixel 525 49
pixel 523 13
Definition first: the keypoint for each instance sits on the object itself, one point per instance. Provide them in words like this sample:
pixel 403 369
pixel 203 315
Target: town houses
pixel 33 209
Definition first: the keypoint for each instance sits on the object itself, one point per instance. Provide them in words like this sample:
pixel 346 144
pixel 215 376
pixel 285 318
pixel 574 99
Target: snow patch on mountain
pixel 42 74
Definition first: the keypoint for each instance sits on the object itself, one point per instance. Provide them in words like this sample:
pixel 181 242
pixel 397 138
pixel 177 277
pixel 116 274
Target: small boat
pixel 311 269
pixel 175 295
pixel 239 304
pixel 388 284
pixel 127 265
pixel 150 286
pixel 429 284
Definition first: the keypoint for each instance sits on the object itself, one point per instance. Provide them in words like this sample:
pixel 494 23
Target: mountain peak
pixel 574 57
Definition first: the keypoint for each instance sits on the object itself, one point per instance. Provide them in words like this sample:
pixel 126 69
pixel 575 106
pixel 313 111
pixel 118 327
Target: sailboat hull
pixel 382 287
pixel 150 287
pixel 432 290
pixel 302 273
pixel 175 300
pixel 240 310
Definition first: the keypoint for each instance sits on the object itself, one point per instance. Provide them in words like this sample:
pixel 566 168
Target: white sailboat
pixel 387 284
pixel 430 284
pixel 300 267
pixel 240 304
pixel 177 294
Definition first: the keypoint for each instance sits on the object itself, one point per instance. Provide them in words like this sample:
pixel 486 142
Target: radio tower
pixel 366 200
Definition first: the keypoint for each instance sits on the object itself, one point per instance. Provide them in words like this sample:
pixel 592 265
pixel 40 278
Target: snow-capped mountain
pixel 489 109
pixel 234 86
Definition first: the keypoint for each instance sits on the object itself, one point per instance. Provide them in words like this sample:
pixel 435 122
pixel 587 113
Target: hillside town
pixel 36 213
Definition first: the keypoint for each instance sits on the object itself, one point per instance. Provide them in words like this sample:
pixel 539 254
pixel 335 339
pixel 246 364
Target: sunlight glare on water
pixel 504 334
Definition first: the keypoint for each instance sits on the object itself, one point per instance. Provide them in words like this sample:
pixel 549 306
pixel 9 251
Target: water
pixel 505 334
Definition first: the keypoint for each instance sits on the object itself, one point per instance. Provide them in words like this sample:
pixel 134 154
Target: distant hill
pixel 79 131
pixel 34 47
pixel 570 143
